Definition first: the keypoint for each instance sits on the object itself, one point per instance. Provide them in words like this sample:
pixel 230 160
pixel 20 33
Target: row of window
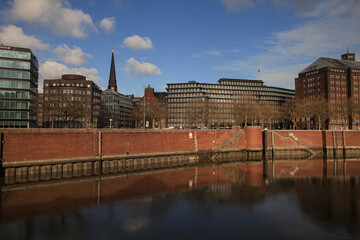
pixel 15 54
pixel 13 115
pixel 6 124
pixel 14 84
pixel 67 91
pixel 13 105
pixel 14 74
pixel 14 94
pixel 14 64
pixel 66 85
pixel 337 70
pixel 311 73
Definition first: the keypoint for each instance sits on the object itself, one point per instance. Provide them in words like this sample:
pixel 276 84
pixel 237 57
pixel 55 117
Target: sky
pixel 170 41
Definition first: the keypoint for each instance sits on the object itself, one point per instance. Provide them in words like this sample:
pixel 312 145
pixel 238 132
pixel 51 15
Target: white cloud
pixel 53 14
pixel 327 28
pixel 54 70
pixel 108 25
pixel 134 67
pixel 214 53
pixel 75 56
pixel 14 36
pixel 136 42
pixel 235 5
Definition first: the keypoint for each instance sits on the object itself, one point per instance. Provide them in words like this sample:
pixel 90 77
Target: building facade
pixel 152 111
pixel 230 102
pixel 336 81
pixel 18 87
pixel 116 108
pixel 40 110
pixel 71 102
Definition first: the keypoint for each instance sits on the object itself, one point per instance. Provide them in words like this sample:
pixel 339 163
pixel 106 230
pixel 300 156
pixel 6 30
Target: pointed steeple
pixel 112 77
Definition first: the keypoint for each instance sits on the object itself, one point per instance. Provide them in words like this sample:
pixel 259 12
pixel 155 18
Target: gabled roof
pixel 331 62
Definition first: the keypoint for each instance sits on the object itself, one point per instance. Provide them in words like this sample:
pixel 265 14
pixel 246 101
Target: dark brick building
pixel 71 101
pixel 337 81
pixel 152 112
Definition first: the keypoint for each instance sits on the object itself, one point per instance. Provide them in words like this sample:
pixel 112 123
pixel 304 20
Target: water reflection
pixel 215 201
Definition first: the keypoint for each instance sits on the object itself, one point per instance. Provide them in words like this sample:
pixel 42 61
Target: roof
pixel 331 62
pixel 239 80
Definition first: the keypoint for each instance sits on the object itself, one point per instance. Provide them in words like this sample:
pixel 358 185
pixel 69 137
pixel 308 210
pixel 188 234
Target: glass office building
pixel 18 87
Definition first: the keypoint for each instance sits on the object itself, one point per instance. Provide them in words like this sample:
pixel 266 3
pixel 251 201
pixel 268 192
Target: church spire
pixel 112 76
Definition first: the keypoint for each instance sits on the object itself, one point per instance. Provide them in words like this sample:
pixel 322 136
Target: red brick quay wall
pixel 21 147
pixel 44 154
pixel 316 144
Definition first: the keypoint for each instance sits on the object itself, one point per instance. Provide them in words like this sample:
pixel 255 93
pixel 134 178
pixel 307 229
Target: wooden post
pixel 344 154
pixel 334 153
pixel 265 160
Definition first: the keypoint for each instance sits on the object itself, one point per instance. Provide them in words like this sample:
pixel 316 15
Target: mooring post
pixel 265 160
pixel 344 154
pixel 272 154
pixel 334 153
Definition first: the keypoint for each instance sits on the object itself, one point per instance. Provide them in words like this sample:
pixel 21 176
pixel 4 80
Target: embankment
pixel 44 154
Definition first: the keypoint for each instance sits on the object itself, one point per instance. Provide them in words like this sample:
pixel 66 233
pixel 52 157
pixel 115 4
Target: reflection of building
pixel 116 108
pixel 198 105
pixel 71 101
pixel 337 81
pixel 18 87
pixel 152 109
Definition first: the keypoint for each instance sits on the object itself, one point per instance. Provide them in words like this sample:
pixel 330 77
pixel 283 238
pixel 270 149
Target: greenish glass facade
pixel 18 87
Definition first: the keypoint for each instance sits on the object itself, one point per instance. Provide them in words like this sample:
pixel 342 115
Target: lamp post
pixel 144 103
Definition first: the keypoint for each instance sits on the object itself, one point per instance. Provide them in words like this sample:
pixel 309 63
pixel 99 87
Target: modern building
pixel 337 82
pixel 152 111
pixel 228 103
pixel 18 87
pixel 116 108
pixel 71 102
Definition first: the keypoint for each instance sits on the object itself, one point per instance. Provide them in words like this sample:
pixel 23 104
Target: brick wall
pixel 50 145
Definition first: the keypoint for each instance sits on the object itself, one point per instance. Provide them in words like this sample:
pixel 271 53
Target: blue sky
pixel 167 41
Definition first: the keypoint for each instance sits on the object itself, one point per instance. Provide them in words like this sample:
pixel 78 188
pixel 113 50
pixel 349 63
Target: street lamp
pixel 110 123
pixel 144 106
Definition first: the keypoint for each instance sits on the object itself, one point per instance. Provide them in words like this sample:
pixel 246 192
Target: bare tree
pixel 65 112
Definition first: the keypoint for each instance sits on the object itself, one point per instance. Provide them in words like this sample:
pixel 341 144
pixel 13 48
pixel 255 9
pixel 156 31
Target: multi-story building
pixel 18 87
pixel 40 110
pixel 152 111
pixel 228 103
pixel 116 108
pixel 71 101
pixel 336 81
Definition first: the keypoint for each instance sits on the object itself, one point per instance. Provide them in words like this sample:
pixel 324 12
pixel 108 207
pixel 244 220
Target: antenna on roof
pixel 223 73
pixel 348 49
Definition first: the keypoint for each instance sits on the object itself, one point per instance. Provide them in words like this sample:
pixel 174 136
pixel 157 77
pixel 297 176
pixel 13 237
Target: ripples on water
pixel 298 200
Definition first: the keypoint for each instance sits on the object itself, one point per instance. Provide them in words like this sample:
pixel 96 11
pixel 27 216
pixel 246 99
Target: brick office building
pixel 152 111
pixel 18 87
pixel 337 82
pixel 71 101
pixel 231 102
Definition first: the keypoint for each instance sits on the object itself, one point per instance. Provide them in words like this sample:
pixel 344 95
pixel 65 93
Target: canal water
pixel 311 199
